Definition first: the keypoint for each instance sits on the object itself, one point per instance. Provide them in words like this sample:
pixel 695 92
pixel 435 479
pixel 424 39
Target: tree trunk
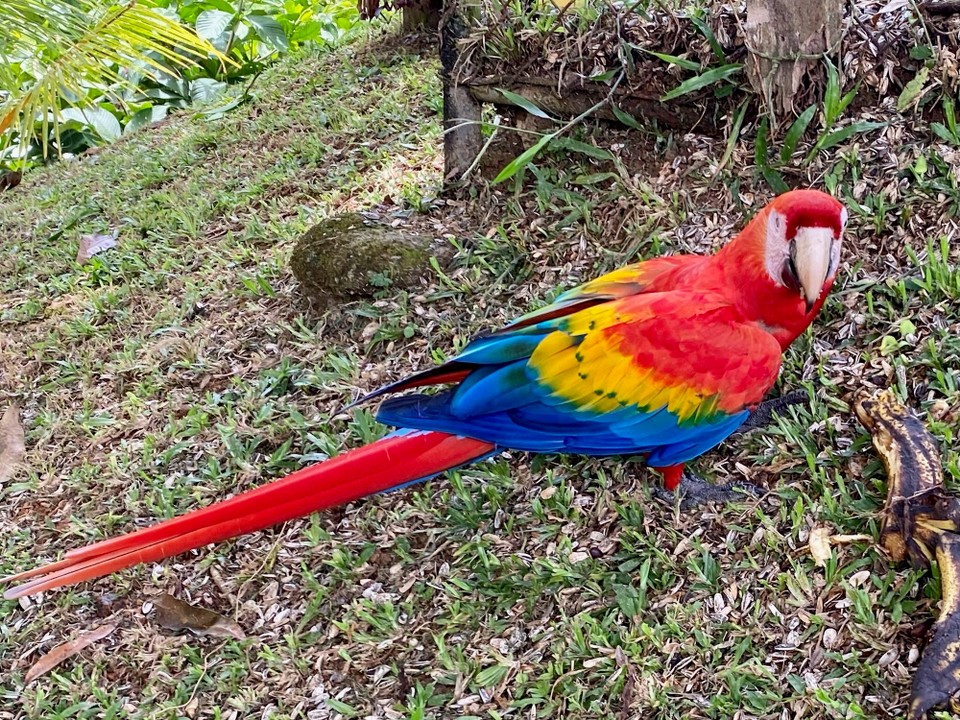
pixel 461 145
pixel 786 39
pixel 421 14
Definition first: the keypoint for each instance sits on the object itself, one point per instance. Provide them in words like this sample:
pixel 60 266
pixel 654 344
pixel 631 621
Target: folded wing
pixel 667 374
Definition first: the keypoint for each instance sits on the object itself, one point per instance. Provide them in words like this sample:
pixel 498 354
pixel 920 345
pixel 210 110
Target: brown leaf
pixel 62 652
pixel 175 614
pixel 91 245
pixel 12 447
pixel 819 545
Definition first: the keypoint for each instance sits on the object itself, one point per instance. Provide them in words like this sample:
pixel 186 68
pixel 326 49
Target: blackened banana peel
pixel 921 523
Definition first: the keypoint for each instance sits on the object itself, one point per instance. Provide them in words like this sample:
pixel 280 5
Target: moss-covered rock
pixel 353 256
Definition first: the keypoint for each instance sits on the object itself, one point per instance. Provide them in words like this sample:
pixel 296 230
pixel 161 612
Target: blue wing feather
pixel 493 388
pixel 541 428
pixel 498 349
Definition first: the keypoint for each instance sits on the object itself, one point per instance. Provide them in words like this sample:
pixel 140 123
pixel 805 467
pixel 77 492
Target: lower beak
pixel 811 257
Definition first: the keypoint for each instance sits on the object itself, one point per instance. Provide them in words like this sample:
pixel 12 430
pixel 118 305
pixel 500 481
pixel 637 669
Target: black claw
pixel 694 491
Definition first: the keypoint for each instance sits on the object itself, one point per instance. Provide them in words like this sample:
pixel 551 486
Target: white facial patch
pixel 777 249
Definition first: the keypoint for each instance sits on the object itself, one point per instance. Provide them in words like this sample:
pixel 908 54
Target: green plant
pixel 833 106
pixel 947 130
pixel 79 61
pixel 110 68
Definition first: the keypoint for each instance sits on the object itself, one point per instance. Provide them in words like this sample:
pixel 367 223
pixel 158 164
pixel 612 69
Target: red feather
pixel 380 466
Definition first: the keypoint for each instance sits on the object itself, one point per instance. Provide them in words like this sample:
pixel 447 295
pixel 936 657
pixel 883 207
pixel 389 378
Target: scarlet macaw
pixel 664 358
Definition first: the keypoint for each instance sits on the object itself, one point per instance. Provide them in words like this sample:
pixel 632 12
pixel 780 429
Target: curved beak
pixel 811 251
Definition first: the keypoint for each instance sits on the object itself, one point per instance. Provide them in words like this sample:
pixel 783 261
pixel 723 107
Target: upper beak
pixel 811 252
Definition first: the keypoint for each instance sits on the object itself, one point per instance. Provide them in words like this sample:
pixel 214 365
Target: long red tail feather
pixel 389 463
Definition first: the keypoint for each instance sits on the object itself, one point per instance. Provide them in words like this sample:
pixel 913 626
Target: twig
pixel 483 150
pixel 597 106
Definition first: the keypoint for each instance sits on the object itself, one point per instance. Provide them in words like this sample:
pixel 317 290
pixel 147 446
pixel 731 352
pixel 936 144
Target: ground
pixel 183 365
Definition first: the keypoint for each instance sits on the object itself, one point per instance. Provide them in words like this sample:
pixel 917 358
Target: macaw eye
pixel 788 276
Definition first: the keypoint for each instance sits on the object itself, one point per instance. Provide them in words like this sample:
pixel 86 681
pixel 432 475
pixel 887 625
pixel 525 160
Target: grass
pixel 184 365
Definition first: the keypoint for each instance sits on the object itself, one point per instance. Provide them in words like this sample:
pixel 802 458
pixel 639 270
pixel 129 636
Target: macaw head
pixel 802 243
pixel 781 266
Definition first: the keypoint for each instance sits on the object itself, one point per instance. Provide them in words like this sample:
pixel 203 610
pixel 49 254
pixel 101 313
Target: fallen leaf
pixel 819 545
pixel 91 245
pixel 62 652
pixel 175 614
pixel 12 447
pixel 845 539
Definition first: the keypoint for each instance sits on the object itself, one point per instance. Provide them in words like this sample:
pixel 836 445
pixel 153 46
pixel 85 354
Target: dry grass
pixel 183 366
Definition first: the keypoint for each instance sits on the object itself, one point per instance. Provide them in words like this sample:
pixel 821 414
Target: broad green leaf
pixel 831 95
pixel 521 101
pixel 224 5
pixel 606 75
pixel 705 30
pixel 725 90
pixel 774 180
pixel 847 99
pixel 342 708
pixel 626 118
pixel 204 90
pixel 760 150
pixel 491 675
pixel 218 111
pixel 761 158
pixel 674 60
pixel 306 31
pixel 594 178
pixel 941 131
pixel 889 345
pixel 703 80
pixel 584 149
pixel 949 115
pixel 838 136
pixel 211 24
pixel 523 159
pixel 630 600
pixel 269 30
pixel 920 166
pixel 911 91
pixel 146 116
pixel 103 122
pixel 795 132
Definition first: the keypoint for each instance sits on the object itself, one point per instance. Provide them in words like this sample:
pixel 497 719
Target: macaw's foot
pixel 694 491
pixel 763 413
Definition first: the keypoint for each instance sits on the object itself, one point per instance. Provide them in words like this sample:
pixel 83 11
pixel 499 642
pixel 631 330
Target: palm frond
pixel 71 47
